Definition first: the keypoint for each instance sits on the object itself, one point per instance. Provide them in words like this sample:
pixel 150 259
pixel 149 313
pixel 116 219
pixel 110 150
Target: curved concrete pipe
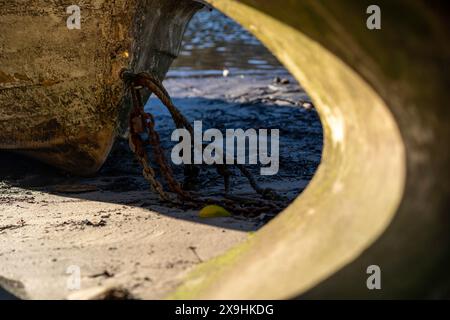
pixel 380 196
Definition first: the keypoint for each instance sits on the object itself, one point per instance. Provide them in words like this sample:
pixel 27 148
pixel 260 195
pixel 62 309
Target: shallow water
pixel 213 42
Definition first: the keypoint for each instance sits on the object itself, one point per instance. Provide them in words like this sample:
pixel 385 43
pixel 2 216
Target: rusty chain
pixel 143 122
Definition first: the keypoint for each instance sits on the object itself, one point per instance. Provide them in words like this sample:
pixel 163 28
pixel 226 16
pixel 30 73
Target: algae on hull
pixel 61 98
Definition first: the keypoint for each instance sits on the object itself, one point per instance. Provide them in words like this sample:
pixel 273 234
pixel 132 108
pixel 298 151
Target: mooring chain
pixel 143 122
pixel 136 127
pixel 154 141
pixel 155 86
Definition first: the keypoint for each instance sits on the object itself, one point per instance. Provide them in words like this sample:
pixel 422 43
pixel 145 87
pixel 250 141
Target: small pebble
pixel 307 105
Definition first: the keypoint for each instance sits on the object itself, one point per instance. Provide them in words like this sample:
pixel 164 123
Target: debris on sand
pixel 102 293
pixel 104 274
pixel 83 223
pixel 21 223
pixel 214 211
pixel 100 223
pixel 194 251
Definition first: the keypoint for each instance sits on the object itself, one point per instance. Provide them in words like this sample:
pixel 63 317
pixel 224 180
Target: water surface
pixel 213 42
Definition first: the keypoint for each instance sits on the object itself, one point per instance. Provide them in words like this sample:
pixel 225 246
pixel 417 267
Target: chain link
pixel 143 122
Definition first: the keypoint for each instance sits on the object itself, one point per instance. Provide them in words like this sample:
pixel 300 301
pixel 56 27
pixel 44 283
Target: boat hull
pixel 61 97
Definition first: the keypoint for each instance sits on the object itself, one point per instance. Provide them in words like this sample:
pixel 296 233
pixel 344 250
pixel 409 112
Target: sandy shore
pixel 115 230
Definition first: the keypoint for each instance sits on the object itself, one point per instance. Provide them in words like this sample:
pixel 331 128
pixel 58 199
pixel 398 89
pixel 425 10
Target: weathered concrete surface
pixel 60 92
pixel 379 196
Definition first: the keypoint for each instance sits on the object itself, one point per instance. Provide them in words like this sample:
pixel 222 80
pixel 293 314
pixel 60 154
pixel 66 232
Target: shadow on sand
pixel 120 180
